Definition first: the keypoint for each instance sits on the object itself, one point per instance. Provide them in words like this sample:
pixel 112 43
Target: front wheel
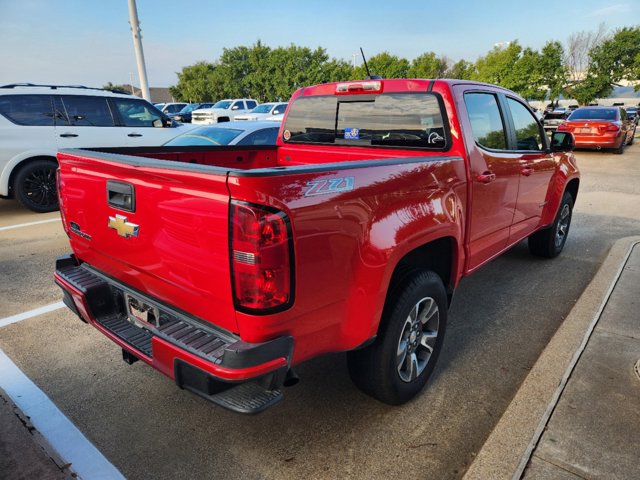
pixel 550 241
pixel 398 364
pixel 34 186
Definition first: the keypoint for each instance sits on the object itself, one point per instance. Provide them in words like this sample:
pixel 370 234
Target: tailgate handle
pixel 121 195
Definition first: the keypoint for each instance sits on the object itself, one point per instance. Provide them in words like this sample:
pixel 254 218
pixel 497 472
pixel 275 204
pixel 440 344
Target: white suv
pixel 265 111
pixel 223 111
pixel 38 120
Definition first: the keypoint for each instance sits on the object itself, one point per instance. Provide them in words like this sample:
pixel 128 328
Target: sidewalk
pixel 577 414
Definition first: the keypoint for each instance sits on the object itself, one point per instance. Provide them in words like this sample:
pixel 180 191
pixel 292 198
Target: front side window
pixel 404 120
pixel 486 121
pixel 251 104
pixel 238 106
pixel 32 110
pixel 528 136
pixel 280 109
pixel 87 111
pixel 137 113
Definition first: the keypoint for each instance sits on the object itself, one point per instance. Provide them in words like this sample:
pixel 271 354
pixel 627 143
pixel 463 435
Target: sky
pixel 89 42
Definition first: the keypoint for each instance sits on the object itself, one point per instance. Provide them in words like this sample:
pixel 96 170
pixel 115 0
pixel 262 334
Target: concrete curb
pixel 506 452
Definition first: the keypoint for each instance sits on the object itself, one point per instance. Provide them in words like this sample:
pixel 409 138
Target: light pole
pixel 137 44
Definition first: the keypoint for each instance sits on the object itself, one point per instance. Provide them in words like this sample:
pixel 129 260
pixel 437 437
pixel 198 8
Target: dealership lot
pixel 501 319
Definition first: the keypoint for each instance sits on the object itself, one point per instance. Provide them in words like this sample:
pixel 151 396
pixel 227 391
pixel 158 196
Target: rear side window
pixel 137 113
pixel 34 110
pixel 403 120
pixel 251 104
pixel 266 136
pixel 87 111
pixel 528 136
pixel 486 121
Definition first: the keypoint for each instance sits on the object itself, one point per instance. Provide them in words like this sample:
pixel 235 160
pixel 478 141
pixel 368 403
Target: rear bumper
pixel 198 356
pixel 583 141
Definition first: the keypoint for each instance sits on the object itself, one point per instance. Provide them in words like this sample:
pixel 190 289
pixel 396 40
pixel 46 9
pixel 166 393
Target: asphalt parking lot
pixel 501 319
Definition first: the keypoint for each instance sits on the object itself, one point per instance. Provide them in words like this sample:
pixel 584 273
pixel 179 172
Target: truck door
pixel 494 174
pixel 536 166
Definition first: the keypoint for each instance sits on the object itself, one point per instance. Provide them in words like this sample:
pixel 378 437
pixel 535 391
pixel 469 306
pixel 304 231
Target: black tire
pixel 34 186
pixel 550 241
pixel 378 369
pixel 620 149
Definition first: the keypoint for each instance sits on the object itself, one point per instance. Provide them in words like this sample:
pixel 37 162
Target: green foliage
pixel 617 58
pixel 553 72
pixel 195 84
pixel 428 65
pixel 385 65
pixel 462 69
pixel 265 73
pixel 497 66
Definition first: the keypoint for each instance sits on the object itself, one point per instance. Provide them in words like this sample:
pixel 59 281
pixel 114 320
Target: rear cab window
pixel 398 120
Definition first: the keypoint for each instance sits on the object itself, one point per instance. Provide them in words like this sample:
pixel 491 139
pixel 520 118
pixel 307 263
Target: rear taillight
pixel 261 258
pixel 563 127
pixel 612 128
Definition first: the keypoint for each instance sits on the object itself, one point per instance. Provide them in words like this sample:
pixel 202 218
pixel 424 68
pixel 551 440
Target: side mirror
pixel 562 142
pixel 235 107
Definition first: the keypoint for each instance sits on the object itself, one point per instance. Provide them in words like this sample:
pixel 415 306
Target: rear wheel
pixel 633 137
pixel 620 149
pixel 34 186
pixel 397 366
pixel 550 241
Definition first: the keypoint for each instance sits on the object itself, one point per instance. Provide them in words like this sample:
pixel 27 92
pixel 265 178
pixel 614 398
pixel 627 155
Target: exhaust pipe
pixel 291 378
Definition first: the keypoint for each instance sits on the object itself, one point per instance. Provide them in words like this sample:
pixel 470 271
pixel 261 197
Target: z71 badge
pixel 331 185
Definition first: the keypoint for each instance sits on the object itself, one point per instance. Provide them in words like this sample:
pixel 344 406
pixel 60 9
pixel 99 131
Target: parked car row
pixel 38 120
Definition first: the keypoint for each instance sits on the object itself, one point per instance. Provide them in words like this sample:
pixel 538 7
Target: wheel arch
pixel 12 169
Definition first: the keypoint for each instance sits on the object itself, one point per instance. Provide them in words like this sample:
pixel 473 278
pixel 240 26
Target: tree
pixel 462 69
pixel 385 65
pixel 428 65
pixel 525 77
pixel 579 45
pixel 117 88
pixel 617 57
pixel 195 83
pixel 497 66
pixel 553 72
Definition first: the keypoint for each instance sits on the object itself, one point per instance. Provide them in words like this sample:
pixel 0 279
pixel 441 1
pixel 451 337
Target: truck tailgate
pixel 169 240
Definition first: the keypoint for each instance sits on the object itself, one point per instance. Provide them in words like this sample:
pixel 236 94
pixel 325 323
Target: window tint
pixel 251 104
pixel 137 113
pixel 528 136
pixel 27 109
pixel 394 119
pixel 87 111
pixel 265 136
pixel 594 114
pixel 312 120
pixel 279 109
pixel 486 121
pixel 237 106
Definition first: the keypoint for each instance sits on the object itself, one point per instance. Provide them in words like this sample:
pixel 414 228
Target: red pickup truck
pixel 225 267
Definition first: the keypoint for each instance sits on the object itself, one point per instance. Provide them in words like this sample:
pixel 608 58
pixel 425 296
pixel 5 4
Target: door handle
pixel 526 171
pixel 68 135
pixel 486 177
pixel 134 135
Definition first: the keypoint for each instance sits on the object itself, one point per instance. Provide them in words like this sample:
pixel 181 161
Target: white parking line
pixel 31 313
pixel 63 436
pixel 20 225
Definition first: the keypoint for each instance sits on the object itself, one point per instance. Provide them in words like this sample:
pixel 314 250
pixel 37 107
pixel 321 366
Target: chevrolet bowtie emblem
pixel 125 229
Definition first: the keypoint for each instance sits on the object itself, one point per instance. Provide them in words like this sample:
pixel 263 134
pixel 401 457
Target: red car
pixel 600 127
